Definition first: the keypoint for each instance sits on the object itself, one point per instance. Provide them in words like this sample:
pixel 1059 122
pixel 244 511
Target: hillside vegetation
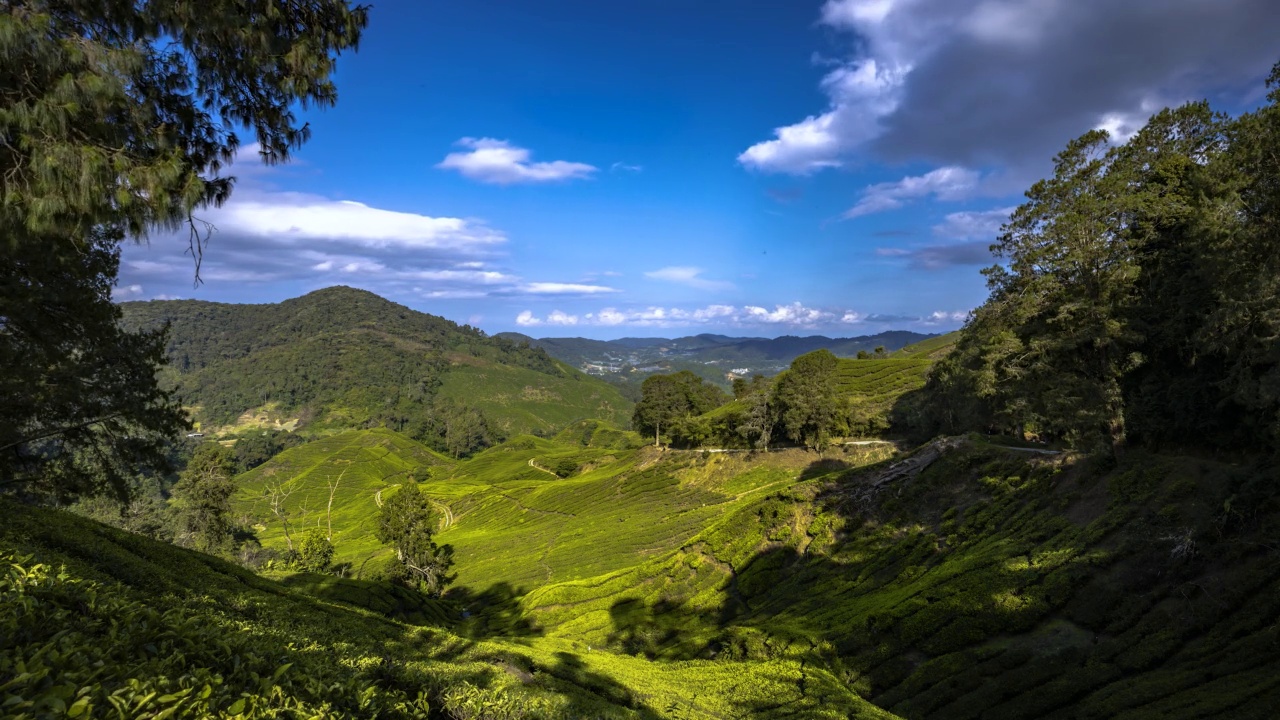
pixel 990 584
pixel 340 358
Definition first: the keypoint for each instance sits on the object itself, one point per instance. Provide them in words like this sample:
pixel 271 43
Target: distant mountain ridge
pixel 342 357
pixel 712 348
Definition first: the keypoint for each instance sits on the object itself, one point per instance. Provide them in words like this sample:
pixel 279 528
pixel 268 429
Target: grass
pixel 991 586
pixel 931 349
pixel 362 463
pixel 520 400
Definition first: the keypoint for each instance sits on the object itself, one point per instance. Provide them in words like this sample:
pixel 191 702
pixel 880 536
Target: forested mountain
pixel 343 357
pixel 707 348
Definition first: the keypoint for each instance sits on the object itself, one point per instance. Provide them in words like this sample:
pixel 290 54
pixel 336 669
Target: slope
pixel 975 582
pixel 101 622
pixel 353 467
pixel 342 357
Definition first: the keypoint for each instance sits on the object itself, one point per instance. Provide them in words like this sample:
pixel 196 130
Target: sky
pixel 670 167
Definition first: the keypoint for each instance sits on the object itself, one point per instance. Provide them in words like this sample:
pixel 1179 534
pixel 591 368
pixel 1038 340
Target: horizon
pixel 834 167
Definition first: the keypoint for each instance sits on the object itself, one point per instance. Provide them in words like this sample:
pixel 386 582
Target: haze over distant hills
pixel 722 352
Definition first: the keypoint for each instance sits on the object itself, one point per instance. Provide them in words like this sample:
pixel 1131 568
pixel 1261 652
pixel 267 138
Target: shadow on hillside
pixel 495 612
pixel 571 668
pixel 870 591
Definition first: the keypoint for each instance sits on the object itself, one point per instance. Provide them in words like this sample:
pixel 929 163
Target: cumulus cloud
pixel 498 162
pixel 983 224
pixel 946 183
pixel 122 293
pixel 1007 82
pixel 298 217
pixel 786 317
pixel 265 236
pixel 689 277
pixel 779 318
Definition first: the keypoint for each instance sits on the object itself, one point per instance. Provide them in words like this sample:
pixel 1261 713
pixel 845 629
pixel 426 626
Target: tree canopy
pixel 407 523
pixel 117 117
pixel 1139 295
pixel 667 398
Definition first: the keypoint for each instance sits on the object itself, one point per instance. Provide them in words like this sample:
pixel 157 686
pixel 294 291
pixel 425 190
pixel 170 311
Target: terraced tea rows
pixel 356 465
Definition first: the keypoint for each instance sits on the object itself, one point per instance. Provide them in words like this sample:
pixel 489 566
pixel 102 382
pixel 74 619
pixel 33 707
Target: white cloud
pixel 299 217
pixel 973 224
pixel 794 315
pixel 500 163
pixel 266 236
pixel 560 318
pixel 1004 83
pixel 688 276
pixel 123 293
pixel 945 183
pixel 556 288
pixel 624 167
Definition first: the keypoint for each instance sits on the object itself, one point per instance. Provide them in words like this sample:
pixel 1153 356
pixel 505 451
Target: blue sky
pixel 665 167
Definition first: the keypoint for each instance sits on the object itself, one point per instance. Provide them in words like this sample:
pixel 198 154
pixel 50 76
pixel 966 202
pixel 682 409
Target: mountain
pixel 721 352
pixel 342 357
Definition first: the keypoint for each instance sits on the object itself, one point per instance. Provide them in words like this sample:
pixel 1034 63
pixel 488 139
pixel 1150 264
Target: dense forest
pixel 337 357
pixel 1136 298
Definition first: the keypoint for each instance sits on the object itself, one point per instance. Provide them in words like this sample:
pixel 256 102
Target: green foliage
pixel 806 395
pixel 117 118
pixel 258 446
pixel 80 411
pixel 988 586
pixel 407 524
pixel 344 358
pixel 565 467
pixel 1138 302
pixel 668 398
pixel 315 552
pixel 109 615
pixel 202 499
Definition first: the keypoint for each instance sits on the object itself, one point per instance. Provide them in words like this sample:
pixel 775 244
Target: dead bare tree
pixel 277 495
pixel 333 490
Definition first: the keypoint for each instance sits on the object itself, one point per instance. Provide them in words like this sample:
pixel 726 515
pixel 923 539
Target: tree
pixel 666 398
pixel 80 411
pixel 806 397
pixel 315 552
pixel 407 523
pixel 116 118
pixel 756 426
pixel 277 494
pixel 202 498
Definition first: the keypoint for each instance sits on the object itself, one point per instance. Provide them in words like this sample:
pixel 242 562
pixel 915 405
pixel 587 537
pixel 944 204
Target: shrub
pixel 315 552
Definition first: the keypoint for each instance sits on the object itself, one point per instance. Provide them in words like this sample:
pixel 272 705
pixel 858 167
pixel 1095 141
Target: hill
pixel 719 353
pixel 100 621
pixel 341 357
pixel 966 581
pixel 973 582
pixel 353 467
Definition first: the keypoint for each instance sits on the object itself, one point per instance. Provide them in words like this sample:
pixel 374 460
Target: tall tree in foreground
pixel 1140 297
pixel 80 411
pixel 407 524
pixel 202 499
pixel 116 118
